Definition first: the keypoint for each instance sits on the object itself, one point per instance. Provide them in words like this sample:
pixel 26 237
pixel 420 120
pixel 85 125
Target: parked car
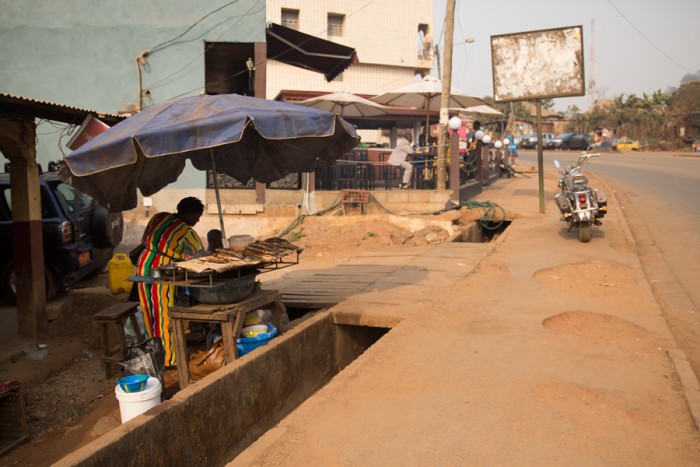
pixel 625 145
pixel 580 141
pixel 530 141
pixel 79 235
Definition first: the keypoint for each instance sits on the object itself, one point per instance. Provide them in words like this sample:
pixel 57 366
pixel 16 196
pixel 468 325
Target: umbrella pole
pixel 224 238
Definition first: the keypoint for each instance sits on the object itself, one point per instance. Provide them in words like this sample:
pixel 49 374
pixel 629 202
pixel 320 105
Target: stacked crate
pixel 13 418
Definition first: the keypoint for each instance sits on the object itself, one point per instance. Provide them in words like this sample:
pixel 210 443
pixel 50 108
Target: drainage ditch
pixel 482 231
pixel 212 421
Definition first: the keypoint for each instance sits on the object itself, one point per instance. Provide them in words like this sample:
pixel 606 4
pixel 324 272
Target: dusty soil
pixel 77 404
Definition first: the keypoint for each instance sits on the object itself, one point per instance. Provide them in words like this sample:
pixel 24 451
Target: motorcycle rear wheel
pixel 584 232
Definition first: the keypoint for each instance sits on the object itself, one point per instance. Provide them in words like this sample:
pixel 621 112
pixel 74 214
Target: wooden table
pixel 230 316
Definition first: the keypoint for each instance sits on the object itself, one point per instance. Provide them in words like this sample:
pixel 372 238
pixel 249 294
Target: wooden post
pixel 18 144
pixel 454 167
pixel 260 58
pixel 540 158
pixel 445 98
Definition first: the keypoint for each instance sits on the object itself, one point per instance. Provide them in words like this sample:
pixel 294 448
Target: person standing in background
pixel 475 149
pixel 398 158
pixel 168 237
pixel 512 149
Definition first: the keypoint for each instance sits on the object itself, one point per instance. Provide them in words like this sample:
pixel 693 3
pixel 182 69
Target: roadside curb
pixel 688 379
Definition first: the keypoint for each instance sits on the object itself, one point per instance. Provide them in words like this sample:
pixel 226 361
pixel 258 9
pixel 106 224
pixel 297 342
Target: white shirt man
pixel 398 158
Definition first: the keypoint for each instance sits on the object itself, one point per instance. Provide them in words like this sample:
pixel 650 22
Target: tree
pixel 690 77
pixel 548 104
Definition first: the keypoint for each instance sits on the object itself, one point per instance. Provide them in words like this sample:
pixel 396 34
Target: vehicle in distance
pixel 530 141
pixel 625 145
pixel 580 141
pixel 79 235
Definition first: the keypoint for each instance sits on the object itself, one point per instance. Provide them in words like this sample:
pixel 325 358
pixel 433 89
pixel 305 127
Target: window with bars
pixel 290 19
pixel 335 25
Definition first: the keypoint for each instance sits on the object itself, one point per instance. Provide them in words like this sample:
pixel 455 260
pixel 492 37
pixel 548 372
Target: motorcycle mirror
pixel 556 163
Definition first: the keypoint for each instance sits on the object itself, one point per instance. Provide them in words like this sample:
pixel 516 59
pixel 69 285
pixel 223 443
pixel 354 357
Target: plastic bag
pixel 147 357
pixel 129 331
pixel 261 316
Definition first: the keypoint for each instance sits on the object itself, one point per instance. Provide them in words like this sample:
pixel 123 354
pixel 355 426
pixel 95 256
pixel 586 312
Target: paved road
pixel 664 190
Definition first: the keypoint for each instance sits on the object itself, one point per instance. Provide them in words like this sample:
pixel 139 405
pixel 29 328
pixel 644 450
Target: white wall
pixel 384 34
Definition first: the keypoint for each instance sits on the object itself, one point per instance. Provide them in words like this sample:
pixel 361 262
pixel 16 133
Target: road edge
pixel 686 375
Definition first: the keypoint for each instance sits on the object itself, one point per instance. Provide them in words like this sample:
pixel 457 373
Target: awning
pixel 312 53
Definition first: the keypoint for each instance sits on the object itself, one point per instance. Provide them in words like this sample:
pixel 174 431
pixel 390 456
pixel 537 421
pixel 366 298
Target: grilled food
pixel 282 243
pixel 229 254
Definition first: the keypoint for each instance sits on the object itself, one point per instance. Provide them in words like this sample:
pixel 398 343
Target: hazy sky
pixel 630 46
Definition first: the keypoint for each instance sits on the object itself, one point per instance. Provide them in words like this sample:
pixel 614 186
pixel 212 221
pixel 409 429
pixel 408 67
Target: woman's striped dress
pixel 167 238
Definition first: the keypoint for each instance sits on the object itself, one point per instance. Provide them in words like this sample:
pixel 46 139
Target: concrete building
pixel 119 56
pixel 393 40
pixel 116 57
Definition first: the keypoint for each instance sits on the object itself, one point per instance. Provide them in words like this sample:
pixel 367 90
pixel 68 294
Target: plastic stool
pixel 115 317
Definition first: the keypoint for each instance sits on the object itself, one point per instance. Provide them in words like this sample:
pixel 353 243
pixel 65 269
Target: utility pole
pixel 445 98
pixel 437 57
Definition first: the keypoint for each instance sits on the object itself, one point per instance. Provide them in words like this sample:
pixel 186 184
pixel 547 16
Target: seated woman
pixel 168 237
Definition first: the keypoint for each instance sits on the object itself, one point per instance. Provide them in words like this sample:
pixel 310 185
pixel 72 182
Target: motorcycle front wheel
pixel 584 232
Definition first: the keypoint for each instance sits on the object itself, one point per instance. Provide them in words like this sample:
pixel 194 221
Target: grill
pixel 228 275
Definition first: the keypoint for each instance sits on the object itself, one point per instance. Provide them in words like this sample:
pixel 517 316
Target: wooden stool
pixel 115 317
pixel 230 316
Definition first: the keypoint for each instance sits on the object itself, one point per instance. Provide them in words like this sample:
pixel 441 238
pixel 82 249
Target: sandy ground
pixel 551 352
pixel 597 323
pixel 77 404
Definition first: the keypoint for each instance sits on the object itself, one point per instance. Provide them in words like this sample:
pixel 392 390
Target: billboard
pixel 538 64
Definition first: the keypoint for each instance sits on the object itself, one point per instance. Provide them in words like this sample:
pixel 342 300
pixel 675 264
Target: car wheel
pixel 8 283
pixel 107 228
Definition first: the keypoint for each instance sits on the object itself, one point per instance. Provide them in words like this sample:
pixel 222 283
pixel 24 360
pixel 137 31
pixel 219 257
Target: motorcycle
pixel 580 205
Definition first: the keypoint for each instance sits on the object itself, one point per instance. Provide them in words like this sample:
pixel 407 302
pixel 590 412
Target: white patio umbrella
pixel 427 95
pixel 345 104
pixel 480 109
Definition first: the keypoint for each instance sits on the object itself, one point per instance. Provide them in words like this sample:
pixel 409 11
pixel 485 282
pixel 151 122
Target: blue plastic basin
pixel 246 344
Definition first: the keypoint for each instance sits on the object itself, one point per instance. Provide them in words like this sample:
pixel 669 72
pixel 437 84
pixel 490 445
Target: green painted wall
pixel 82 53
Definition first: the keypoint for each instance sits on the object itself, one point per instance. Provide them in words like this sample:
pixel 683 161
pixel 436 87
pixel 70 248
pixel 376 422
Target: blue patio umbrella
pixel 243 137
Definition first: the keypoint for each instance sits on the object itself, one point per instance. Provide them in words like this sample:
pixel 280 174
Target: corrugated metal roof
pixel 25 107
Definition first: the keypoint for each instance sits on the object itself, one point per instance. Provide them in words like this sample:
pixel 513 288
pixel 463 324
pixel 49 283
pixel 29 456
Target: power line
pixel 647 39
pixel 162 44
pixel 164 81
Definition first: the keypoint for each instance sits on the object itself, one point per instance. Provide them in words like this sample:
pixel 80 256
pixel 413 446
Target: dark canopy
pixel 305 51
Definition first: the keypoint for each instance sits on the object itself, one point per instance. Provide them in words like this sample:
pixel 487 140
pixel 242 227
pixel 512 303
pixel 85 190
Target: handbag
pixel 203 362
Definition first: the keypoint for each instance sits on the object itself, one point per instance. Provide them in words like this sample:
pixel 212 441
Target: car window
pixel 75 200
pixel 46 211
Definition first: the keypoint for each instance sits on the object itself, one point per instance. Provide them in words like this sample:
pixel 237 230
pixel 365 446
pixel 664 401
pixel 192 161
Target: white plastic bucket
pixel 132 404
